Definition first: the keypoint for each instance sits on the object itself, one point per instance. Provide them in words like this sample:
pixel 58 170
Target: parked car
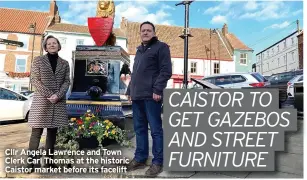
pixel 290 89
pixel 281 79
pixel 237 80
pixel 267 77
pixel 13 106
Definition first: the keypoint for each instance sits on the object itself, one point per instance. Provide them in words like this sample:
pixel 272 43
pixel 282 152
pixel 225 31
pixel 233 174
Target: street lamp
pixel 185 36
pixel 32 29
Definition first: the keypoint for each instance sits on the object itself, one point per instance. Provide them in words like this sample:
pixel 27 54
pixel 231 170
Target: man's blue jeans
pixel 144 112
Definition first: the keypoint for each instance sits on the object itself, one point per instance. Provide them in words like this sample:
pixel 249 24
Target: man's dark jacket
pixel 152 69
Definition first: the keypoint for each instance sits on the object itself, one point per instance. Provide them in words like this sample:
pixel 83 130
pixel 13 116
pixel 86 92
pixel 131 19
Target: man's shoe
pixel 133 165
pixel 154 170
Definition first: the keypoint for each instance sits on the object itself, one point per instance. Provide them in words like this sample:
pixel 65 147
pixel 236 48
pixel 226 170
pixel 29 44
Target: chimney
pixel 57 18
pixel 123 24
pixel 54 12
pixel 225 29
pixel 53 8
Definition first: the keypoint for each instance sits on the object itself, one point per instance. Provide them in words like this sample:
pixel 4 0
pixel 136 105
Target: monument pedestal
pixel 97 85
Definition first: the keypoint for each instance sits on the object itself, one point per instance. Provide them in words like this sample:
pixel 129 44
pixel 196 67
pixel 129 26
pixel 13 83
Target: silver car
pixel 290 89
pixel 237 80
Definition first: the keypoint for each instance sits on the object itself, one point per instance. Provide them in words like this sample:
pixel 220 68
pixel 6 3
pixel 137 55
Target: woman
pixel 50 75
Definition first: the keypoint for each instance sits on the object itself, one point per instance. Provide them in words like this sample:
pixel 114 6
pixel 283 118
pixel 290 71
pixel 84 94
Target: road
pixel 289 164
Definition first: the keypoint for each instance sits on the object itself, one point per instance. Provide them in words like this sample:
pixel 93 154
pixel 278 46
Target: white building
pixel 279 57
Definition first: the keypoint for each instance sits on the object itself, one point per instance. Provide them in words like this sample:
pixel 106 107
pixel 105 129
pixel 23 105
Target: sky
pixel 258 24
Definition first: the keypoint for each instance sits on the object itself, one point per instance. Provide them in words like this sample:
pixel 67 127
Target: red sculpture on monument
pixel 101 26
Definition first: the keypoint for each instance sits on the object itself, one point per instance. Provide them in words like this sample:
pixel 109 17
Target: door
pixel 11 108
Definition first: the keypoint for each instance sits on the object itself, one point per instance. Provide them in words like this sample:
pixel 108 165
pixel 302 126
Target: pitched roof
pixel 17 20
pixel 236 43
pixel 199 44
pixel 64 27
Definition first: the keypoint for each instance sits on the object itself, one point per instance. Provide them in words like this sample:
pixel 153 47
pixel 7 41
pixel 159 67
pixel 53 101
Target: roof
pixel 74 28
pixel 236 43
pixel 17 20
pixel 277 42
pixel 199 44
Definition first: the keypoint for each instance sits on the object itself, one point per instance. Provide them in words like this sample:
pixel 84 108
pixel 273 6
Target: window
pixel 210 80
pixel 292 39
pixel 285 59
pixel 7 95
pixel 237 79
pixel 259 58
pixel 285 44
pixel 193 67
pixel 293 56
pixel 285 76
pixel 25 41
pixel 20 65
pixel 216 68
pixel 268 54
pixel 278 48
pixel 243 58
pixel 222 80
pixel 80 41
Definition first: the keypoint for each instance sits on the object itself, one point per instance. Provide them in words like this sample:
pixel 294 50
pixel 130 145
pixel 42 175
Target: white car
pixel 237 80
pixel 13 106
pixel 290 89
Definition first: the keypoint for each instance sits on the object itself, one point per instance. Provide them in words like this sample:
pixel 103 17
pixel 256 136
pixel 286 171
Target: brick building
pixel 28 27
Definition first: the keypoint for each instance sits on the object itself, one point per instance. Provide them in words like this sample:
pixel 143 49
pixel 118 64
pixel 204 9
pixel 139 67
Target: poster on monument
pixel 96 67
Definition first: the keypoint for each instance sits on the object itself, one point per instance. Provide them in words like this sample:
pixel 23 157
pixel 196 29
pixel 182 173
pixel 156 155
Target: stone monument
pixel 100 71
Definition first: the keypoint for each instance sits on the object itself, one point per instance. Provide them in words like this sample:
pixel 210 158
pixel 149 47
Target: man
pixel 151 70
